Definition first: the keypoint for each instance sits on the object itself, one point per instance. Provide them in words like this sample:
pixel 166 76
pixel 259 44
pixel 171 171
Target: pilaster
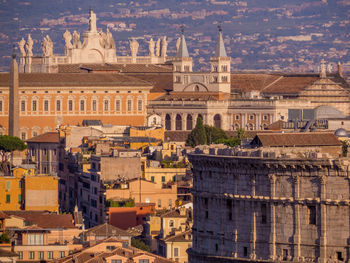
pixel 272 239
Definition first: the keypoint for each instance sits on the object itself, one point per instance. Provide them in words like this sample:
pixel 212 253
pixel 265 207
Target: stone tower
pixel 221 67
pixel 13 102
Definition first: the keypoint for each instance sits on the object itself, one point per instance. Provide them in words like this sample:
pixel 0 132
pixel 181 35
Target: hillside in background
pixel 281 35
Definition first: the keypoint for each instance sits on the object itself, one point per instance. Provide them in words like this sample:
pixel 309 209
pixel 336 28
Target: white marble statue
pixel 47 46
pixel 21 45
pixel 110 39
pixel 76 40
pixel 178 44
pixel 67 36
pixel 158 48
pixel 103 39
pixel 134 47
pixel 164 46
pixel 151 47
pixel 92 21
pixel 29 46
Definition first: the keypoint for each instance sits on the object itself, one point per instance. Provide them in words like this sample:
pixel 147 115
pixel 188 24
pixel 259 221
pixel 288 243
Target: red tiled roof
pixel 72 80
pixel 295 139
pixel 44 219
pixel 48 137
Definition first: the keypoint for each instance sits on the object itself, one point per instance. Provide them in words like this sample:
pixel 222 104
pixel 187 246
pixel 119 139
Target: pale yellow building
pixel 161 175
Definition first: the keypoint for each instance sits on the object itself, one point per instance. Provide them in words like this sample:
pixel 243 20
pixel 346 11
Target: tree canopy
pixel 198 135
pixel 9 144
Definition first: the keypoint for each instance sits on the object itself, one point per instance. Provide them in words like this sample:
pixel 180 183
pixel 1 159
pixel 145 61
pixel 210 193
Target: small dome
pixel 341 133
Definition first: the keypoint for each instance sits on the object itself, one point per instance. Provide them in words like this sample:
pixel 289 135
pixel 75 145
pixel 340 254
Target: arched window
pixel 189 122
pixel 106 105
pixel 178 123
pixel 167 122
pixel 217 121
pixel 236 126
pixel 250 127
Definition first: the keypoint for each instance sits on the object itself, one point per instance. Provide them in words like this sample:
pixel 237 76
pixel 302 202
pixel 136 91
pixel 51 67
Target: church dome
pixel 341 133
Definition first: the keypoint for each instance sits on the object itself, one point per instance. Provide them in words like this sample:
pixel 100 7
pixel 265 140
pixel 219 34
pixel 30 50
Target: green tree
pixel 9 144
pixel 214 134
pixel 232 142
pixel 4 238
pixel 240 133
pixel 198 135
pixel 140 244
pixel 345 146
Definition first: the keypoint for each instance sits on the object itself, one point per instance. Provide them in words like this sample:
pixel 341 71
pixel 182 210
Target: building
pixel 161 175
pixel 155 90
pixel 144 191
pixel 271 201
pixel 43 150
pixel 39 235
pixel 25 190
pixel 104 231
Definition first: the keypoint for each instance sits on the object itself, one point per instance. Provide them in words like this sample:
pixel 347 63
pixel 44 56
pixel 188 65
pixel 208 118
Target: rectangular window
pixel 46 105
pixel 19 198
pixel 265 117
pixel 116 261
pixel 82 105
pixel 41 254
pixel 35 134
pixel 245 251
pixel 8 199
pixel 224 79
pixel 61 254
pixel 70 105
pixel 177 79
pixel 159 203
pixel 143 261
pixel 8 185
pixel 23 105
pixel 94 105
pixel 170 202
pixel 312 214
pixel 50 254
pixel 20 254
pixel 35 239
pixel 139 105
pixel 152 178
pixel 106 105
pixel 186 68
pixel 163 179
pixel 20 184
pixel 34 105
pixel 176 252
pixel 117 105
pixel 31 254
pixel 0 105
pixel 58 105
pixel 129 105
pixel 23 136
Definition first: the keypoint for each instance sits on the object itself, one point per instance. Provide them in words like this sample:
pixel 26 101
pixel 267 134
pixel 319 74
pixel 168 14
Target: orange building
pixel 47 100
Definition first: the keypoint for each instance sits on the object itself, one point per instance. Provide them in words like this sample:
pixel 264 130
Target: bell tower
pixel 220 67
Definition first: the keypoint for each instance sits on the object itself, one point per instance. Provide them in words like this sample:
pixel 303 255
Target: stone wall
pixel 262 208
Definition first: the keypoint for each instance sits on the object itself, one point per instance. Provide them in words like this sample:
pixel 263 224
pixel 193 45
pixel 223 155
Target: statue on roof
pixel 151 47
pixel 76 40
pixel 110 39
pixel 21 45
pixel 164 46
pixel 29 46
pixel 92 21
pixel 158 48
pixel 103 39
pixel 67 36
pixel 47 46
pixel 134 47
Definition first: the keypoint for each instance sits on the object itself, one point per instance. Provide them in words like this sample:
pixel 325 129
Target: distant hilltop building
pixel 159 90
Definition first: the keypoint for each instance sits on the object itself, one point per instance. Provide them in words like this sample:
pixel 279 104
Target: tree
pixel 240 133
pixel 232 142
pixel 214 134
pixel 9 144
pixel 140 244
pixel 198 135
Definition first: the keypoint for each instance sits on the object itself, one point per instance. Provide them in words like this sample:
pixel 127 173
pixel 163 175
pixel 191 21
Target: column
pixel 323 216
pixel 236 211
pixel 173 121
pixel 296 219
pixel 253 231
pixel 272 241
pixel 184 121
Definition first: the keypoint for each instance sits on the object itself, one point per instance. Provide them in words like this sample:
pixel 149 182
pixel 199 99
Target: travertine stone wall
pixel 269 209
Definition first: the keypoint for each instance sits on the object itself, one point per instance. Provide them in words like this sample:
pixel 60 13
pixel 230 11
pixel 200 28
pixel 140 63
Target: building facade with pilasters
pixel 261 207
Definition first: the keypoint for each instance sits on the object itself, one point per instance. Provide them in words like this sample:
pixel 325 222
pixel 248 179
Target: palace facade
pixel 90 82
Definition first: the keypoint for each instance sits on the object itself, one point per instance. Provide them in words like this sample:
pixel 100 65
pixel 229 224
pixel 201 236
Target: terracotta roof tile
pixel 295 139
pixel 102 230
pixel 48 137
pixel 125 68
pixel 73 80
pixel 44 219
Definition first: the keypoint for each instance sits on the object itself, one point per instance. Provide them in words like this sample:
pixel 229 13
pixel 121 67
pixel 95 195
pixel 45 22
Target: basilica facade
pixel 156 89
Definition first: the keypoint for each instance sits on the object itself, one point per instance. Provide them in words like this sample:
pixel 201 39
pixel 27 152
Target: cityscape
pixel 154 131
